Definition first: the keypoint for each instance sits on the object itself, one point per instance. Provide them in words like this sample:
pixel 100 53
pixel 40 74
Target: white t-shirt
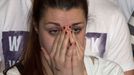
pixel 108 34
pixel 94 66
pixel 127 7
pixel 13 29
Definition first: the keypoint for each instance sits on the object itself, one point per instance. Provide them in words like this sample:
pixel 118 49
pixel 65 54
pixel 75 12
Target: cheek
pixel 46 41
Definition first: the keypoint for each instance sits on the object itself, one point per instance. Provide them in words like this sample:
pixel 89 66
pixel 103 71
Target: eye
pixel 76 30
pixel 54 32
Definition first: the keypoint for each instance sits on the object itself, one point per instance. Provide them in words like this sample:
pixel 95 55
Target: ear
pixel 36 28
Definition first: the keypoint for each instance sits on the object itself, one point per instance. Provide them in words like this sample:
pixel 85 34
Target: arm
pixel 131 72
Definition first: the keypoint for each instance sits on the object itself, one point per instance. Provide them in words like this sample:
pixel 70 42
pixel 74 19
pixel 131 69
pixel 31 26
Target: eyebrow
pixel 57 24
pixel 75 24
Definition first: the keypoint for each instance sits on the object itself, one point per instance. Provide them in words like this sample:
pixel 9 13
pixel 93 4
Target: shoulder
pixel 101 16
pixel 14 70
pixel 105 7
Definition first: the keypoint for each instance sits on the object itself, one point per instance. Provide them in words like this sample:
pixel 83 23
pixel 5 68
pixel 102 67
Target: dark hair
pixel 31 58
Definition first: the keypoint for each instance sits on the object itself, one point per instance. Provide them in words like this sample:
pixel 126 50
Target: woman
pixel 57 42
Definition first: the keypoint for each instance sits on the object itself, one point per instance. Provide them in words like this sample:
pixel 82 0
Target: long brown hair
pixel 31 58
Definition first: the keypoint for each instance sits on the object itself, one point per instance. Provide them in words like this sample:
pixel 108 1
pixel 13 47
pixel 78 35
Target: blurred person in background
pixel 13 30
pixel 108 34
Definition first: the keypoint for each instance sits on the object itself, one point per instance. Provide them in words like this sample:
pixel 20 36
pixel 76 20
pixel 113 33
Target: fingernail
pixel 69 26
pixel 74 43
pixel 63 27
pixel 71 44
pixel 66 32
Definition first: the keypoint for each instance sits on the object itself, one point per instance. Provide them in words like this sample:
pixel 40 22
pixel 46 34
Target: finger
pixel 64 47
pixel 75 55
pixel 69 54
pixel 71 38
pixel 73 41
pixel 80 49
pixel 45 53
pixel 55 44
pixel 59 44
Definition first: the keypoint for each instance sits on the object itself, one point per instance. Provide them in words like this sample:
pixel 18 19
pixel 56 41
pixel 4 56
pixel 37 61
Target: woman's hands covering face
pixel 67 55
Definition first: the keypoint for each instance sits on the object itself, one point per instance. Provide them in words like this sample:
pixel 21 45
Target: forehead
pixel 63 16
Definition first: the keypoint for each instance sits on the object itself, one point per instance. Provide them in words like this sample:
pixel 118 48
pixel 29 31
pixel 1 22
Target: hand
pixel 64 59
pixel 60 56
pixel 77 57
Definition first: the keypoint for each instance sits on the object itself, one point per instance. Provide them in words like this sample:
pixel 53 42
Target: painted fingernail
pixel 69 26
pixel 74 43
pixel 66 32
pixel 63 27
pixel 70 44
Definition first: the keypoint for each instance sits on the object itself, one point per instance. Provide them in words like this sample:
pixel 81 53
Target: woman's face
pixel 54 20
